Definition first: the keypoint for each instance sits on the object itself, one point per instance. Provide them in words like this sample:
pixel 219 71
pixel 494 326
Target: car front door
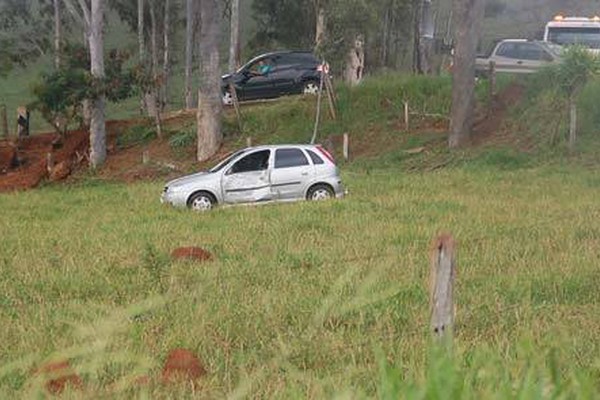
pixel 248 180
pixel 255 84
pixel 508 58
pixel 292 172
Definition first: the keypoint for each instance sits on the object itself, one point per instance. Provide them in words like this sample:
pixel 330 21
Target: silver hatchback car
pixel 260 174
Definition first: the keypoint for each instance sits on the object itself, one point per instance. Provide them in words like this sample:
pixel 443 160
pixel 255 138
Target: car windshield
pixel 225 161
pixel 588 37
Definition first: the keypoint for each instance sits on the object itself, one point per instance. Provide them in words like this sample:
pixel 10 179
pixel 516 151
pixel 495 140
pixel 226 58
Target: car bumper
pixel 175 199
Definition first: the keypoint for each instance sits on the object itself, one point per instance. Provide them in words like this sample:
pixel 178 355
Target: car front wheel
pixel 202 201
pixel 320 192
pixel 227 98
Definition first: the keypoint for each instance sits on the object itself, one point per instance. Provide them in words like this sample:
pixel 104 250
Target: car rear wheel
pixel 320 192
pixel 202 201
pixel 310 87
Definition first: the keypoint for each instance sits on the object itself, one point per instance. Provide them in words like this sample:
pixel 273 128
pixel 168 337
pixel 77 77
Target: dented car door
pixel 248 179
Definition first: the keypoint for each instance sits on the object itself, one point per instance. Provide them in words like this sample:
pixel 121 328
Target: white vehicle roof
pixel 574 22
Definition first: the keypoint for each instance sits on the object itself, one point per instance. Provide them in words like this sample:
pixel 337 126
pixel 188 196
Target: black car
pixel 274 74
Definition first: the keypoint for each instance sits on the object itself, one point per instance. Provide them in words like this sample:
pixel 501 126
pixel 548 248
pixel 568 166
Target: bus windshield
pixel 588 37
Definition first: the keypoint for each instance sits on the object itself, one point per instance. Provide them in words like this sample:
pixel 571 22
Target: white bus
pixel 567 31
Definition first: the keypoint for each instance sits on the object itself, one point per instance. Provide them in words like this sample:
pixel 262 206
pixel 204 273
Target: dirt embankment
pixel 25 163
pixel 489 124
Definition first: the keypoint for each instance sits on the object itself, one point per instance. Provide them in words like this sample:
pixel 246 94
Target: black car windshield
pixel 588 37
pixel 226 161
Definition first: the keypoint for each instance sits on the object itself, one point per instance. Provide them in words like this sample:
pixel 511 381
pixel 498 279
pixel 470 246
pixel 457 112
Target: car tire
pixel 227 98
pixel 320 192
pixel 310 87
pixel 202 201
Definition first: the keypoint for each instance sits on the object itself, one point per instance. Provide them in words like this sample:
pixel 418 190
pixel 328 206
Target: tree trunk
pixel 423 37
pixel 166 57
pixel 141 47
pixel 320 28
pixel 189 53
pixel 209 95
pixel 234 44
pixel 97 126
pixel 151 97
pixel 140 32
pixel 57 35
pixel 355 62
pixel 469 15
pixel 385 34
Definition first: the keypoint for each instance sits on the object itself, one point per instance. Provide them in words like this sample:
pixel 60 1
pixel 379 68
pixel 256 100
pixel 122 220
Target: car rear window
pixel 315 158
pixel 286 158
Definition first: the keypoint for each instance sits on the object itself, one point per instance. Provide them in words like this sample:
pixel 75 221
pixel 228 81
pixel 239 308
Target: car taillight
pixel 324 67
pixel 326 154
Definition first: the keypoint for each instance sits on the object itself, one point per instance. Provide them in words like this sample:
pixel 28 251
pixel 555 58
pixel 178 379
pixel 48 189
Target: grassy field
pixel 310 300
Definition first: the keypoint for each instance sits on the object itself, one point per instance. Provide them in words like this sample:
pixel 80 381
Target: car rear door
pixel 248 179
pixel 291 174
pixel 284 74
pixel 533 56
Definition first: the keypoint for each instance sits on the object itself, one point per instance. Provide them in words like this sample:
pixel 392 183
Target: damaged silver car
pixel 260 174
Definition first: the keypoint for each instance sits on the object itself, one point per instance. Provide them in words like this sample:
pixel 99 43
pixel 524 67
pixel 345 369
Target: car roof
pixel 281 146
pixel 281 52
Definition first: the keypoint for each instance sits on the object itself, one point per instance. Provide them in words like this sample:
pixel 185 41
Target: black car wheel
pixel 310 87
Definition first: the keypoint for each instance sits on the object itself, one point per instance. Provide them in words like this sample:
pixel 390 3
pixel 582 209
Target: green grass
pixel 310 300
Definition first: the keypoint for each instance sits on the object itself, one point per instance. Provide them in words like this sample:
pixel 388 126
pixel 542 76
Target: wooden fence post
pixel 492 73
pixel 406 116
pixel 331 97
pixel 4 120
pixel 346 147
pixel 236 106
pixel 145 157
pixel 443 272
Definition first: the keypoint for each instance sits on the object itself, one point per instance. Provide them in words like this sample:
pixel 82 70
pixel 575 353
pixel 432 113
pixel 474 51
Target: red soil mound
pixel 32 152
pixel 59 375
pixel 182 365
pixel 191 253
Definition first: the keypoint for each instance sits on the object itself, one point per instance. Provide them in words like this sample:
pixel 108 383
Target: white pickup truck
pixel 567 31
pixel 518 56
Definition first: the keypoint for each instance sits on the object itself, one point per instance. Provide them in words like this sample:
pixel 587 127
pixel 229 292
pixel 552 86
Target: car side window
pixel 315 158
pixel 529 51
pixel 508 50
pixel 286 158
pixel 258 161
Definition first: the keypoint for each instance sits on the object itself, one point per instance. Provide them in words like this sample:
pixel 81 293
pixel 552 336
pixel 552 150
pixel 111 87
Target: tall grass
pixel 310 300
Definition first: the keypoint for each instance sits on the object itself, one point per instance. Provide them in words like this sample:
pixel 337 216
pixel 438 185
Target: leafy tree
pixel 25 31
pixel 577 68
pixel 60 93
pixel 383 25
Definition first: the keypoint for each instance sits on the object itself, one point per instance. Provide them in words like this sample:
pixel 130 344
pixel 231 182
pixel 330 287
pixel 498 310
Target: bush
pixel 135 135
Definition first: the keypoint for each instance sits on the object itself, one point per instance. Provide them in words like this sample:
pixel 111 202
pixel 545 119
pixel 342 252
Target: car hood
pixel 188 179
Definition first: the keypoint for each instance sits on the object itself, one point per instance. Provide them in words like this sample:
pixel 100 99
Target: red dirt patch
pixel 8 154
pixel 191 253
pixel 32 153
pixel 58 376
pixel 182 365
pixel 61 171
